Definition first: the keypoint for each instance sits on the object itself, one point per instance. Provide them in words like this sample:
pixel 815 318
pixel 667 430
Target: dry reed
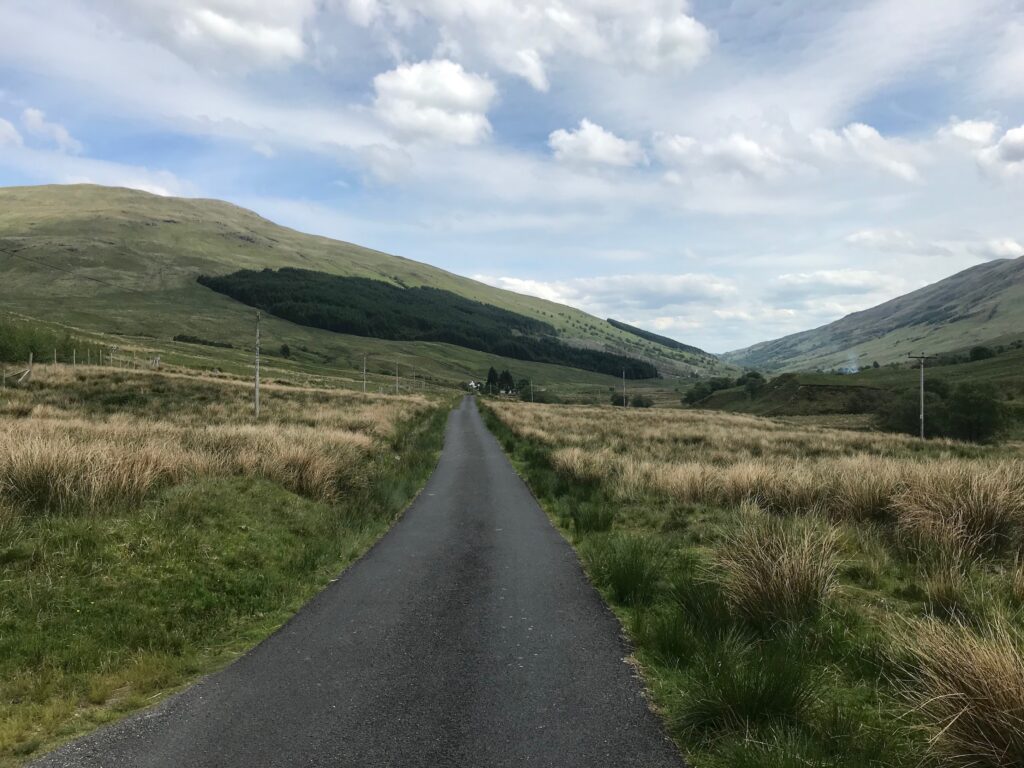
pixel 969 688
pixel 54 459
pixel 778 569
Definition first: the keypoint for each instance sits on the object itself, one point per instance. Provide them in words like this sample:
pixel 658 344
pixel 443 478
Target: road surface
pixel 467 637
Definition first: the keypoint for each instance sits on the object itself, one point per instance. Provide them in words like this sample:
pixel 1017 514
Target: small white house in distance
pixel 473 385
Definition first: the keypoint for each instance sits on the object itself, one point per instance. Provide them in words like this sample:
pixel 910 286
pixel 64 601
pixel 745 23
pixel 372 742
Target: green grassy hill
pixel 981 305
pixel 123 264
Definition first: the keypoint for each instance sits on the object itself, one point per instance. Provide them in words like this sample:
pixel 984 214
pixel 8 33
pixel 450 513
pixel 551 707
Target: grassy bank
pixel 150 532
pixel 797 596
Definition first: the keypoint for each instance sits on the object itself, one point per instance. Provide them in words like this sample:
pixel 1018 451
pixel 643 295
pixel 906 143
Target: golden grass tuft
pixel 956 512
pixel 969 688
pixel 778 568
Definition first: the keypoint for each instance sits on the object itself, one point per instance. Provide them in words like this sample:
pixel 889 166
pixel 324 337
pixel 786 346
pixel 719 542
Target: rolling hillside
pixel 981 305
pixel 125 263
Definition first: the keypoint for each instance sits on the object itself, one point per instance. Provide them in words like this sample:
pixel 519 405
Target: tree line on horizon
pixel 367 307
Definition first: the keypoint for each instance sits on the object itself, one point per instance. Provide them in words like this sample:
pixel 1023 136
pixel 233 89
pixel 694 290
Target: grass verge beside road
pixel 150 533
pixel 797 596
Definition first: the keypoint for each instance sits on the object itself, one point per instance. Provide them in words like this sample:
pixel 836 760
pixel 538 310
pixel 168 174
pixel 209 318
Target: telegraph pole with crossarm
pixel 921 358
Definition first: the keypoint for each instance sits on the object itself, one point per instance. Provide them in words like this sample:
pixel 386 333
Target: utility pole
pixel 256 391
pixel 396 377
pixel 364 374
pixel 625 403
pixel 921 358
pixel 531 390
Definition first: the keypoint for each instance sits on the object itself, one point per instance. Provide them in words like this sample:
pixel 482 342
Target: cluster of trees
pixel 970 411
pixel 19 338
pixel 752 381
pixel 365 307
pixel 975 353
pixel 636 401
pixel 504 382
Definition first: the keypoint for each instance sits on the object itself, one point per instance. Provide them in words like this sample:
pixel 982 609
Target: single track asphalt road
pixel 468 636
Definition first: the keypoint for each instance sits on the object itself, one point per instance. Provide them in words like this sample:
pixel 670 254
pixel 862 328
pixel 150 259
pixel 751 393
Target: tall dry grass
pixel 969 688
pixel 942 496
pixel 956 511
pixel 778 569
pixel 58 457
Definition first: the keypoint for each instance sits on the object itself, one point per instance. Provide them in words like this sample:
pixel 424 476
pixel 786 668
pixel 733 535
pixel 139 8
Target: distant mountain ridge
pixel 980 305
pixel 124 262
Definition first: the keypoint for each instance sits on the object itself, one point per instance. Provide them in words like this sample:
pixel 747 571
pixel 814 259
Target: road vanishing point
pixel 468 636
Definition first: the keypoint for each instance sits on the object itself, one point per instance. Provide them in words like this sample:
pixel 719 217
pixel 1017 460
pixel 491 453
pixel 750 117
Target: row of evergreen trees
pixel 504 382
pixel 366 307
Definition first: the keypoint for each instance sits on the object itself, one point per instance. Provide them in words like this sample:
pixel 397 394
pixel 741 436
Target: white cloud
pixel 35 123
pixel 736 153
pixel 51 166
pixel 527 64
pixel 9 135
pixel 977 132
pixel 435 99
pixel 1005 157
pixel 833 282
pixel 999 248
pixel 885 240
pixel 1004 75
pixel 869 146
pixel 894 241
pixel 784 152
pixel 223 34
pixel 617 294
pixel 203 26
pixel 591 144
pixel 523 38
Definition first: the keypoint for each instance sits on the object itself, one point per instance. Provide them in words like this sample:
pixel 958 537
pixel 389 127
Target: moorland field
pixel 151 531
pixel 798 595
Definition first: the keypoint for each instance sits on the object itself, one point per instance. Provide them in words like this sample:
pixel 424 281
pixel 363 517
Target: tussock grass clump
pixel 629 566
pixel 778 568
pixel 701 601
pixel 581 465
pixel 969 688
pixel 959 514
pixel 863 488
pixel 592 518
pixel 669 633
pixel 946 591
pixel 740 682
pixel 51 473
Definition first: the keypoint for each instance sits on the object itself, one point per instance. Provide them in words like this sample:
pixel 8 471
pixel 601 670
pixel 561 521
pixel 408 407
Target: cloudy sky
pixel 721 172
